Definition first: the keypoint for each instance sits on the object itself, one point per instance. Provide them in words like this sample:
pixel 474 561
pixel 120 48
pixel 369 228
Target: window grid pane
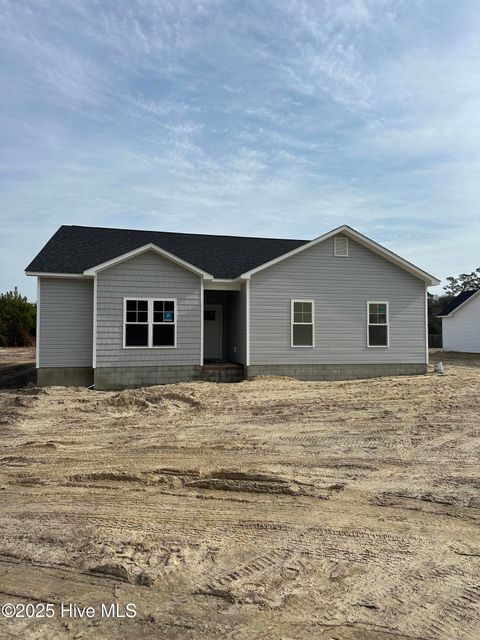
pixel 163 335
pixel 377 314
pixel 163 312
pixel 377 335
pixel 302 335
pixel 137 312
pixel 136 335
pixel 302 313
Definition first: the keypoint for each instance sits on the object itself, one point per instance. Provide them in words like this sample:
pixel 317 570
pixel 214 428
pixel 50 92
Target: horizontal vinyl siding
pixel 461 332
pixel 147 276
pixel 66 322
pixel 340 288
pixel 237 325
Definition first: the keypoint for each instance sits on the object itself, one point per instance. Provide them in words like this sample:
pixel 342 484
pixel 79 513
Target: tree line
pixel 17 320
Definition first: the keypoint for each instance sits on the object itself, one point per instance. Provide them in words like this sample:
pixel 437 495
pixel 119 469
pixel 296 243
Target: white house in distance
pixel 461 323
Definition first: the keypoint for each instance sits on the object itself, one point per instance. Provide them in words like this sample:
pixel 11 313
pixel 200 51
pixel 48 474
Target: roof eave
pixel 54 274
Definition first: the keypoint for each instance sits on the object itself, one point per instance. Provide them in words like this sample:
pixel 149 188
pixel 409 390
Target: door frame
pixel 219 309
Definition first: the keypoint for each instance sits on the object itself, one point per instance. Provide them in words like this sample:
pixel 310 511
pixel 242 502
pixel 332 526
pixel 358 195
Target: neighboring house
pixel 122 308
pixel 461 323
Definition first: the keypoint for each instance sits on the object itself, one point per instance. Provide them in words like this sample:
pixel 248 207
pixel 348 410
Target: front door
pixel 212 329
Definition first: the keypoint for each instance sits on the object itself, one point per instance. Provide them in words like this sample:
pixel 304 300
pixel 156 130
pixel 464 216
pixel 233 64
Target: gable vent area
pixel 341 246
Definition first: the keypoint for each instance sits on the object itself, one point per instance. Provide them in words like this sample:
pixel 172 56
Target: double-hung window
pixel 377 324
pixel 302 332
pixel 149 322
pixel 163 333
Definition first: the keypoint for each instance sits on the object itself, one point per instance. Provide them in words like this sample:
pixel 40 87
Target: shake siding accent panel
pixel 147 276
pixel 66 322
pixel 340 288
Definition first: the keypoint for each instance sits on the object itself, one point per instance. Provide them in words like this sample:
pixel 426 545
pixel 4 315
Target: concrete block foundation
pixel 64 376
pixel 335 371
pixel 112 378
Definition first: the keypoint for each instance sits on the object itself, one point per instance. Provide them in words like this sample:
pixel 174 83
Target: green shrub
pixel 17 320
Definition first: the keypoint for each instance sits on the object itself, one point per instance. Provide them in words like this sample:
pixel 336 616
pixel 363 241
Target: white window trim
pixel 335 253
pixel 378 346
pixel 312 323
pixel 150 302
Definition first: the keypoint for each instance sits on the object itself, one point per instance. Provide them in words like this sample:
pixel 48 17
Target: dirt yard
pixel 17 366
pixel 270 509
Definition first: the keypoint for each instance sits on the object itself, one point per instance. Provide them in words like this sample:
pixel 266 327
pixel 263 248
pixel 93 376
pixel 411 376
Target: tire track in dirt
pixel 207 504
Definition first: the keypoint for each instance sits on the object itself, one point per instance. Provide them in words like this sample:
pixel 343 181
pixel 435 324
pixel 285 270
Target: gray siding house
pixel 120 308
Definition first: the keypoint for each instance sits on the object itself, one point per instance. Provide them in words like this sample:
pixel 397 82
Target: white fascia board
pixel 44 274
pixel 361 239
pixel 147 247
pixel 460 305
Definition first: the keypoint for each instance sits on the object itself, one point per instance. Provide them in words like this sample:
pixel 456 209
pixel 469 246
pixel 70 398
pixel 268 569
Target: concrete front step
pixel 222 372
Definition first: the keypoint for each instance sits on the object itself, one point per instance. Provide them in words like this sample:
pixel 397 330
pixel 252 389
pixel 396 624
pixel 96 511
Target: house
pixel 121 308
pixel 461 323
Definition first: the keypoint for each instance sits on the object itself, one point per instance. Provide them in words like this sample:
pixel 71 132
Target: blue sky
pixel 277 118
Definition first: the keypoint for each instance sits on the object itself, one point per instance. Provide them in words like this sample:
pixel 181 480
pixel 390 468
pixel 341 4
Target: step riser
pixel 223 376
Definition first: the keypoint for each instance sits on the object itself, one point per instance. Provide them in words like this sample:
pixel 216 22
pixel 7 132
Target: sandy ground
pixel 17 366
pixel 270 509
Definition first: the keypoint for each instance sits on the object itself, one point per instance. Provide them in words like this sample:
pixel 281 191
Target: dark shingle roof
pixel 457 301
pixel 73 249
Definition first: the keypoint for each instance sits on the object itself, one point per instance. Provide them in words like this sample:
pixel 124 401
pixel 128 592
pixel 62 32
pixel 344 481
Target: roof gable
pixel 148 247
pixel 462 298
pixel 361 239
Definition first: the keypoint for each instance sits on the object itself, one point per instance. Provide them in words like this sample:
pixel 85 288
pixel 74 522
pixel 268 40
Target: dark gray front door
pixel 212 329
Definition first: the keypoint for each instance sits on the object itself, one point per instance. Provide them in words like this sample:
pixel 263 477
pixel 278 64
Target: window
pixel 302 323
pixel 163 323
pixel 377 324
pixel 149 323
pixel 340 247
pixel 136 323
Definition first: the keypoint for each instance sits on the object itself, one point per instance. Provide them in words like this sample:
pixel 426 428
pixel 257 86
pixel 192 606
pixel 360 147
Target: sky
pixel 274 118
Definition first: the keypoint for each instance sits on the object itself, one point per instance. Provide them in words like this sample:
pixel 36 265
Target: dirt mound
pixel 115 476
pixel 116 571
pixel 155 398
